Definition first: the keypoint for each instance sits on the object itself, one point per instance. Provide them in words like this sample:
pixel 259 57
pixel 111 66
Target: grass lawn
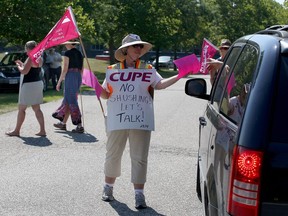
pixel 8 100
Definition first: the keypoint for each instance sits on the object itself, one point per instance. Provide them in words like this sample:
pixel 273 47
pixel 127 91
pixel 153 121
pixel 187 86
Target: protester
pixel 30 91
pixel 214 65
pixel 136 83
pixel 237 104
pixel 55 61
pixel 72 73
pixel 223 49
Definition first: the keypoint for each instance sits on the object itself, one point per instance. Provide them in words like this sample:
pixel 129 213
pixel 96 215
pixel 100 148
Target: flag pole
pixel 82 107
pixel 91 70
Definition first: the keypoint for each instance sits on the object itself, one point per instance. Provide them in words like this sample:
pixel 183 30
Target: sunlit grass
pixel 9 101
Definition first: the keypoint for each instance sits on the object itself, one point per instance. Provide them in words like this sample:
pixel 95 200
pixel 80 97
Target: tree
pixel 177 25
pixel 108 26
pixel 32 20
pixel 240 17
pixel 156 21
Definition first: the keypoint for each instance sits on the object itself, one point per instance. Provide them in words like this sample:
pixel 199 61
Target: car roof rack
pixel 284 28
pixel 281 33
pixel 275 27
pixel 276 30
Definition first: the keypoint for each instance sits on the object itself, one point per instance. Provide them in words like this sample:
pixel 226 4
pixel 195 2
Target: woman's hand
pixel 19 63
pixel 213 65
pixel 58 86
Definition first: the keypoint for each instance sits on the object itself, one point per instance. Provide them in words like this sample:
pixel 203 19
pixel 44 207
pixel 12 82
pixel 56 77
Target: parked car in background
pixel 164 62
pixel 105 56
pixel 243 143
pixel 9 73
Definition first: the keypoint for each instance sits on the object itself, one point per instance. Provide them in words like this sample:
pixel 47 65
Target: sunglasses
pixel 138 45
pixel 224 48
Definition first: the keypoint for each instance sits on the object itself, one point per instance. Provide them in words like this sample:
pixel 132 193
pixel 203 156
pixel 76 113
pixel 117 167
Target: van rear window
pixel 280 118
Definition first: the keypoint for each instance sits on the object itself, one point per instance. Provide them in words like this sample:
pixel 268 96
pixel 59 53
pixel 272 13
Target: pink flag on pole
pixel 208 51
pixel 89 79
pixel 186 65
pixel 64 30
pixel 231 83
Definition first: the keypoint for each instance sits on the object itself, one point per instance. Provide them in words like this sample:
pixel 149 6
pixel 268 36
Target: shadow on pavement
pixel 79 137
pixel 123 210
pixel 36 141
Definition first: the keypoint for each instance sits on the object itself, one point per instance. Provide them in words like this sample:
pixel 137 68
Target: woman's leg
pixel 20 119
pixel 67 114
pixel 112 168
pixel 139 141
pixel 40 119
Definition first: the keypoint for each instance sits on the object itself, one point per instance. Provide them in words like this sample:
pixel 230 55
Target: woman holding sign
pixel 128 88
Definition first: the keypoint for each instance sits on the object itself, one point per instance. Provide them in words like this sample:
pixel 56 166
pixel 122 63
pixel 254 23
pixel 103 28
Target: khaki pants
pixel 139 141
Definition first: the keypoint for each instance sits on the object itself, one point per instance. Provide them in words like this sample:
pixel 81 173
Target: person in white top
pixel 237 104
pixel 130 80
pixel 55 66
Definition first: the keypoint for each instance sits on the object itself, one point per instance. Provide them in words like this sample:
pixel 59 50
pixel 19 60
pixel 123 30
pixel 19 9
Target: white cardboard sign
pixel 130 106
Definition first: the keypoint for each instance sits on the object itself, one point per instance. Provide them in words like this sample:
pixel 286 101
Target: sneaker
pixel 60 126
pixel 140 201
pixel 78 130
pixel 107 194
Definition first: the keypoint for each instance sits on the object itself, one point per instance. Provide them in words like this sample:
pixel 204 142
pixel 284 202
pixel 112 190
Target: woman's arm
pixel 104 94
pixel 63 72
pixel 164 83
pixel 40 63
pixel 25 67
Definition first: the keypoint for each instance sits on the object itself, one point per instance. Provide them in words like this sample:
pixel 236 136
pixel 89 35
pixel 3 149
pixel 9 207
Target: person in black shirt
pixel 72 73
pixel 30 91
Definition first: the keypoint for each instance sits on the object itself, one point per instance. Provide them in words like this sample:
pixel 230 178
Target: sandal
pixel 78 130
pixel 12 133
pixel 41 135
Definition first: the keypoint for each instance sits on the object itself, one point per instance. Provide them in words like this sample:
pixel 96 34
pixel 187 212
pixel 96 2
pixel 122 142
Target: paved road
pixel 62 174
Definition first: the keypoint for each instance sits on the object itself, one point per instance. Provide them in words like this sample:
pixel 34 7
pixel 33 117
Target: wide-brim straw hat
pixel 73 42
pixel 131 40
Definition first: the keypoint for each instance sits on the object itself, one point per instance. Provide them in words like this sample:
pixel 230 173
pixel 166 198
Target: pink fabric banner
pixel 231 83
pixel 208 51
pixel 186 65
pixel 64 30
pixel 89 79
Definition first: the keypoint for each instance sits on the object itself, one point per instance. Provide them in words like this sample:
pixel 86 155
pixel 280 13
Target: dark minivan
pixel 243 133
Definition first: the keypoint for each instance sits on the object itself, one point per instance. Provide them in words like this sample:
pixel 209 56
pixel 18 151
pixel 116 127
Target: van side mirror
pixel 197 88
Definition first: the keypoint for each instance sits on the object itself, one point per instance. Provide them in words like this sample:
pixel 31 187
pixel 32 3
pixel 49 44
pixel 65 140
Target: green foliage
pixel 177 25
pixel 32 20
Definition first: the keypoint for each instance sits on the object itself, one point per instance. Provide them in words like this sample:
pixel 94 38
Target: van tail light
pixel 244 185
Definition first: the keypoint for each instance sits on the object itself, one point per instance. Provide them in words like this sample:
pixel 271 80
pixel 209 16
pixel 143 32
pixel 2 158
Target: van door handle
pixel 202 121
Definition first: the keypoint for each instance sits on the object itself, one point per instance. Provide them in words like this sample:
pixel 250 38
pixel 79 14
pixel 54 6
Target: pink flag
pixel 64 30
pixel 231 83
pixel 186 65
pixel 89 79
pixel 208 51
